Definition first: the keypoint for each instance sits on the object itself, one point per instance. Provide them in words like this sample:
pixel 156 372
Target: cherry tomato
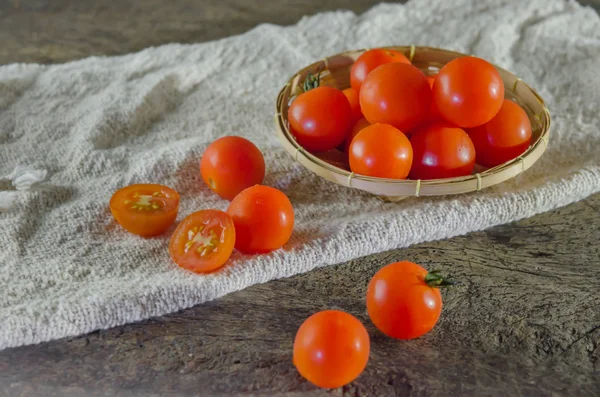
pixel 434 113
pixel 468 91
pixel 397 94
pixel 369 60
pixel 263 218
pixel 203 241
pixel 231 164
pixel 400 302
pixel 441 150
pixel 145 209
pixel 430 80
pixel 353 100
pixel 382 151
pixel 358 127
pixel 331 348
pixel 504 137
pixel 320 119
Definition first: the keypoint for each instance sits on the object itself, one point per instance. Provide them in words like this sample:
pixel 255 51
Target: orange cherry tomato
pixel 145 209
pixel 504 137
pixel 382 151
pixel 361 124
pixel 441 150
pixel 320 119
pixel 263 218
pixel 331 348
pixel 397 94
pixel 231 164
pixel 353 100
pixel 401 303
pixel 203 241
pixel 468 91
pixel 369 60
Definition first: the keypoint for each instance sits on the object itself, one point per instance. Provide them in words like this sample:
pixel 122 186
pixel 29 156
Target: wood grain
pixel 525 321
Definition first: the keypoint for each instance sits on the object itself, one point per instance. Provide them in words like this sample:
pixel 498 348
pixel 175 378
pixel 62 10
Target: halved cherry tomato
pixel 504 137
pixel 369 60
pixel 397 94
pixel 231 164
pixel 353 100
pixel 401 301
pixel 203 241
pixel 358 127
pixel 263 218
pixel 320 119
pixel 145 209
pixel 468 91
pixel 331 348
pixel 382 151
pixel 441 150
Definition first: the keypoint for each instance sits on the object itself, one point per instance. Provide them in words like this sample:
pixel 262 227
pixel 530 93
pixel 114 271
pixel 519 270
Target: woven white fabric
pixel 102 123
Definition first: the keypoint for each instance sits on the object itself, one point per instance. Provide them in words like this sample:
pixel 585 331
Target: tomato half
pixel 382 151
pixel 361 124
pixel 468 91
pixel 353 100
pixel 263 218
pixel 320 119
pixel 331 348
pixel 400 302
pixel 369 60
pixel 441 150
pixel 397 94
pixel 203 241
pixel 231 164
pixel 145 209
pixel 504 137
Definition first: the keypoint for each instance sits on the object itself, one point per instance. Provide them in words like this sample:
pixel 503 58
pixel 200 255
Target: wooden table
pixel 525 322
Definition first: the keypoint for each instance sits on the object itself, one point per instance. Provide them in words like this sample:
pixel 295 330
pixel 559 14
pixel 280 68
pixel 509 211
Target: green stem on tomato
pixel 436 280
pixel 312 81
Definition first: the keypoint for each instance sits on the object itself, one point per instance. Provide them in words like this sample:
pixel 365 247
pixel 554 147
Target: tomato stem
pixel 312 81
pixel 436 280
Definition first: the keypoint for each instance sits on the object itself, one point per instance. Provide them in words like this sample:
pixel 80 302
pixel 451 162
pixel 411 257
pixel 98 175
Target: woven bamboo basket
pixel 332 165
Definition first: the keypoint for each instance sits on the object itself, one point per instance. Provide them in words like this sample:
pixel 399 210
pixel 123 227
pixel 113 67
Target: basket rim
pixel 416 187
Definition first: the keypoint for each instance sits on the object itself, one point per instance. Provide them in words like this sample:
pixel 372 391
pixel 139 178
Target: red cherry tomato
pixel 331 348
pixel 263 218
pixel 400 302
pixel 320 119
pixel 145 209
pixel 353 100
pixel 468 91
pixel 504 137
pixel 358 127
pixel 441 151
pixel 371 59
pixel 230 165
pixel 382 151
pixel 397 94
pixel 203 241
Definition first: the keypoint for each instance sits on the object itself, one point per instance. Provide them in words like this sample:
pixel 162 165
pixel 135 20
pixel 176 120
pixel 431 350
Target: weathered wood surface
pixel 525 322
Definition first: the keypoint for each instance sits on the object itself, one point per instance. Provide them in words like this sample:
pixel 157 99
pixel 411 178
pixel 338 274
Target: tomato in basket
pixel 371 59
pixel 504 137
pixel 468 91
pixel 320 118
pixel 441 150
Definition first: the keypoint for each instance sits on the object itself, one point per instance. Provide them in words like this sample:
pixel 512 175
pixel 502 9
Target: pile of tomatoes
pixel 396 122
pixel 259 218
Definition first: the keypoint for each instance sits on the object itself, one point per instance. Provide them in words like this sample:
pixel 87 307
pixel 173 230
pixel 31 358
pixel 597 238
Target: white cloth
pixel 102 123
